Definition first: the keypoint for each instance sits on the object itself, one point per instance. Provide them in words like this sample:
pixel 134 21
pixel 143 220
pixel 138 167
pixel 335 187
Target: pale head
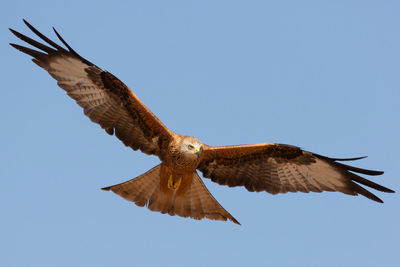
pixel 191 146
pixel 185 151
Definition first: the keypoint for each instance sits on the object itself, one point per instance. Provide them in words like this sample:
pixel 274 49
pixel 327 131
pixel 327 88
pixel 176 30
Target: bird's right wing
pixel 104 98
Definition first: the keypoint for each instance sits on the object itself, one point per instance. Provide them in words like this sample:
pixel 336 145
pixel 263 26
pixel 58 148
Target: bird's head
pixel 191 147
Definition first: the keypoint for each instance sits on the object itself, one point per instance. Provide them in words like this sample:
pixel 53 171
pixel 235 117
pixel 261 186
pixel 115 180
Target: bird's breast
pixel 181 162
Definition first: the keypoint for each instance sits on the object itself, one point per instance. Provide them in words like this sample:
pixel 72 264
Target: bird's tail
pixel 162 191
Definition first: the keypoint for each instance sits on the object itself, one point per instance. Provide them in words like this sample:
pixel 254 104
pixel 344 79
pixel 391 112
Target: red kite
pixel 173 186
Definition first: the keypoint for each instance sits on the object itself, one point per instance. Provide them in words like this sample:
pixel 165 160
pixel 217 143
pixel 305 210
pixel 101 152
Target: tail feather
pixel 140 189
pixel 195 202
pixel 198 203
pixel 160 202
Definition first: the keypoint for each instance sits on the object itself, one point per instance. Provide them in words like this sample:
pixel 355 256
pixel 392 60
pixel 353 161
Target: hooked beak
pixel 197 151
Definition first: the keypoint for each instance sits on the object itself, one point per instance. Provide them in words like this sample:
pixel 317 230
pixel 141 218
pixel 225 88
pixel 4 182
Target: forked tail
pixel 149 190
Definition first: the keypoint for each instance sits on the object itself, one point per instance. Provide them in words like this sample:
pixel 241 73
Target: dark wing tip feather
pixel 361 190
pixel 348 167
pixel 359 170
pixel 369 183
pixel 108 188
pixel 43 37
pixel 34 53
pixel 350 173
pixel 63 41
pixel 71 50
pixel 339 159
pixel 47 49
pixel 349 159
pixel 32 42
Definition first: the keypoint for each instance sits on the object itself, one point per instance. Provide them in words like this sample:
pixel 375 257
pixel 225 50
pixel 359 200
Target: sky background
pixel 322 75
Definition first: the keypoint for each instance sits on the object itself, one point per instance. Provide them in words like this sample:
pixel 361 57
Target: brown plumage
pixel 174 186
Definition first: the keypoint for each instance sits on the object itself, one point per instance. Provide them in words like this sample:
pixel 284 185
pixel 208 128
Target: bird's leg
pixel 170 181
pixel 177 184
pixel 174 183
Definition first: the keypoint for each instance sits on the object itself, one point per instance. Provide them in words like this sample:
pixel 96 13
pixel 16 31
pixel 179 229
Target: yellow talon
pixel 177 184
pixel 172 184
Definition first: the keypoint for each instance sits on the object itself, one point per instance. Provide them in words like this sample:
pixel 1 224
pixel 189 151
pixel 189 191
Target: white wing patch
pixel 67 68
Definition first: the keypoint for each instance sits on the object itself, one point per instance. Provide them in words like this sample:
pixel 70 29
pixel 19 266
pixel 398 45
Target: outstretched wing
pixel 104 98
pixel 277 168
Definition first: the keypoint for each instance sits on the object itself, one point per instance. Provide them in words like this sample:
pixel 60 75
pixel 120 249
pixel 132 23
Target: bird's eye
pixel 190 147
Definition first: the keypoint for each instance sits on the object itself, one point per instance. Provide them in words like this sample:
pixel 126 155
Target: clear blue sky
pixel 323 75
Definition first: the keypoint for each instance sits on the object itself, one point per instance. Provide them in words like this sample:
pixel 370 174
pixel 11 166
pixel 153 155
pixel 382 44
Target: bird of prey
pixel 173 186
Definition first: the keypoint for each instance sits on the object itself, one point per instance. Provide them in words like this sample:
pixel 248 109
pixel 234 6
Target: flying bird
pixel 174 186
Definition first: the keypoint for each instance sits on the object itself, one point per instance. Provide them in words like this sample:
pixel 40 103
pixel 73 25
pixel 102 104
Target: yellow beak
pixel 194 151
pixel 197 151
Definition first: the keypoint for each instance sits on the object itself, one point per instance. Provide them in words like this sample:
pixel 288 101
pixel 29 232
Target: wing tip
pixel 29 25
pixel 107 188
pixel 63 41
pixel 352 173
pixel 377 173
pixel 13 31
pixel 388 190
pixel 349 159
pixel 358 189
pixel 53 48
pixel 348 167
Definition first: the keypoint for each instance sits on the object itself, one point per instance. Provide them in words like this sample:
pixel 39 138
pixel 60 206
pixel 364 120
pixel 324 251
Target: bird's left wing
pixel 104 98
pixel 277 168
